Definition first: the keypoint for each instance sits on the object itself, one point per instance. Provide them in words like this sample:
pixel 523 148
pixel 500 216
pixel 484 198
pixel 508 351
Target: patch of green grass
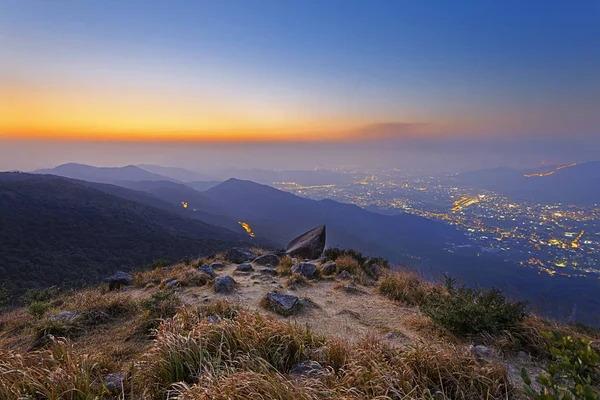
pixel 466 311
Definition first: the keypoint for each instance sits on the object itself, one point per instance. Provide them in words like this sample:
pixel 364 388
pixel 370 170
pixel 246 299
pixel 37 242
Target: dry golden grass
pixel 347 263
pixel 285 268
pixel 186 275
pixel 221 350
pixel 53 374
pixel 296 280
pixel 259 251
pixel 404 286
pixel 429 329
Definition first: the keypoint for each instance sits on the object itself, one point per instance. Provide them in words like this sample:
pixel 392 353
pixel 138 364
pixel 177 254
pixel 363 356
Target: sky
pixel 319 83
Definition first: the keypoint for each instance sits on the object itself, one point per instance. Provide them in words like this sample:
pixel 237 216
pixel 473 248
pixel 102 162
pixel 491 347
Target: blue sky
pixel 290 70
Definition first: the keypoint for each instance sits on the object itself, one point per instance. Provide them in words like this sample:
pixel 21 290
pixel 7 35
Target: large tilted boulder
pixel 306 269
pixel 238 255
pixel 118 280
pixel 309 245
pixel 268 259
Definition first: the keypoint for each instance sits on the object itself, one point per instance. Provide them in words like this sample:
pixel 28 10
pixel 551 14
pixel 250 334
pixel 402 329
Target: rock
pixel 118 280
pixel 208 270
pixel 523 357
pixel 284 304
pixel 267 259
pixel 516 380
pixel 306 269
pixel 224 284
pixel 268 271
pixel 245 267
pixel 168 280
pixel 483 354
pixel 238 255
pixel 64 316
pixel 212 319
pixel 344 276
pixel 351 288
pixel 328 268
pixel 391 336
pixel 114 382
pixel 309 245
pixel 217 265
pixel 308 368
pixel 173 284
pixel 167 269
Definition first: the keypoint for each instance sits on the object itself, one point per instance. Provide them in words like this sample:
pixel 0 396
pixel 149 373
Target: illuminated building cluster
pixel 556 239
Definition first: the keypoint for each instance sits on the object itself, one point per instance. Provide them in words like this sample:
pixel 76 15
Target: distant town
pixel 557 239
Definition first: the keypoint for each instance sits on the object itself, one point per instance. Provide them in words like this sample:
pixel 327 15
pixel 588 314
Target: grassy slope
pixel 213 346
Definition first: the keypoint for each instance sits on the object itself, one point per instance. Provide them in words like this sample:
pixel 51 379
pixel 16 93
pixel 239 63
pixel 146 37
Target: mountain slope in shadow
pixel 56 231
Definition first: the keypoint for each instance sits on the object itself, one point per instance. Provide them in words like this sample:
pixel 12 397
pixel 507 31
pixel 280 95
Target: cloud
pixel 389 130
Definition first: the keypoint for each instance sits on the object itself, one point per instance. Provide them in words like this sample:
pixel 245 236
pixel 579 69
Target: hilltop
pixel 268 326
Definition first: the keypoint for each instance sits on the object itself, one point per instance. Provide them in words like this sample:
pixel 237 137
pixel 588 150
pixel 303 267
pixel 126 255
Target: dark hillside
pixel 59 232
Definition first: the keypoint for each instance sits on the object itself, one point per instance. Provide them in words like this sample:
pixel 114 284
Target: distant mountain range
pixel 178 174
pixel 104 174
pixel 572 184
pixel 275 217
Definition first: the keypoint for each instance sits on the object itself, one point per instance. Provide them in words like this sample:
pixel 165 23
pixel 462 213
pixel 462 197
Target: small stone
pixel 224 284
pixel 350 288
pixel 238 255
pixel 344 276
pixel 268 271
pixel 213 319
pixel 284 304
pixel 167 269
pixel 245 267
pixel 218 265
pixel 114 382
pixel 208 270
pixel 483 354
pixel 271 259
pixel 391 336
pixel 118 280
pixel 306 269
pixel 308 368
pixel 523 357
pixel 173 284
pixel 64 316
pixel 328 268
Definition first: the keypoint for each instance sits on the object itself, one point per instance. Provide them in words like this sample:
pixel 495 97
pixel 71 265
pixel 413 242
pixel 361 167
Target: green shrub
pixel 39 295
pixel 38 308
pixel 355 263
pixel 4 296
pixel 572 374
pixel 464 311
pixel 334 253
pixel 404 286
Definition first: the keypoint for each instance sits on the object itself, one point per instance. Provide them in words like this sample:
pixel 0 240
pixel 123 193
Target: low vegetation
pixel 466 311
pixel 404 286
pixel 574 372
pixel 186 343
